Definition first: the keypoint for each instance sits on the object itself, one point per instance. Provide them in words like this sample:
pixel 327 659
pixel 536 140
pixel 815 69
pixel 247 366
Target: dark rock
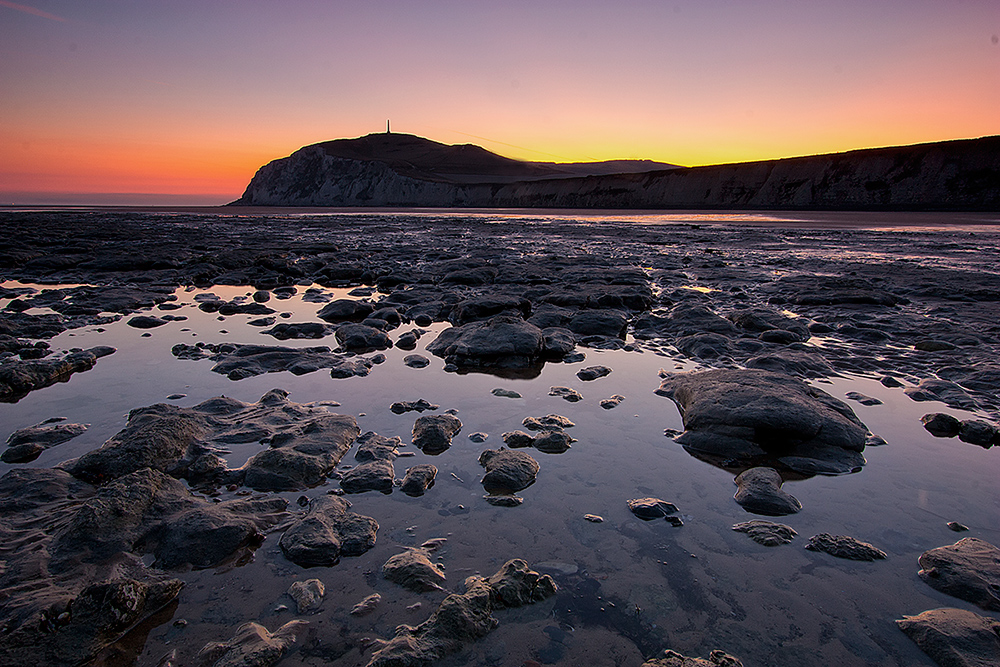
pixel 505 393
pixel 793 362
pixel 648 509
pixel 238 362
pixel 485 307
pixel 500 342
pixel 518 439
pixel 407 341
pixel 593 372
pixel 955 637
pixel 760 492
pixel 598 322
pixel 928 345
pixel 750 414
pixel 941 425
pixel 299 330
pixel 945 391
pixel 552 442
pixel 842 546
pixel 957 527
pixel 433 433
pixel 684 319
pixel 504 500
pixel 782 329
pixel 862 398
pixel 377 475
pixel 613 402
pixel 674 659
pixel 361 338
pixel 566 393
pixel 345 310
pixel 419 405
pixel 968 569
pixel 507 471
pixel 374 447
pixel 327 532
pixel 464 618
pixel 813 290
pixel 479 437
pixel 766 533
pixel 308 595
pixel 416 361
pixel 146 322
pixel 367 605
pixel 414 571
pixel 418 479
pixel 978 432
pixel 704 346
pixel 27 444
pixel 19 378
pixel 253 646
pixel 558 343
pixel 547 423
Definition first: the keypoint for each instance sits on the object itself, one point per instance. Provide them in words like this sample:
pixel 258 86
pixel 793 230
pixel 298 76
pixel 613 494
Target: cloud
pixel 30 10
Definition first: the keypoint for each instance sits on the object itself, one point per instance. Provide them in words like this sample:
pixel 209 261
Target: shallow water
pixel 628 588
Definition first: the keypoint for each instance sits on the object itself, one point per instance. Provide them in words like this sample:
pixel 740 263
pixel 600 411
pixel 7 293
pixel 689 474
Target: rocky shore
pixel 751 328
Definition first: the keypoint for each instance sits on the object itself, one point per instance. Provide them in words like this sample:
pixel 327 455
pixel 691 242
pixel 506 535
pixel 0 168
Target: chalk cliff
pixel 403 170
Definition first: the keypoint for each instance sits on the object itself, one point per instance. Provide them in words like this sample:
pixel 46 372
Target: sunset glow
pixel 190 98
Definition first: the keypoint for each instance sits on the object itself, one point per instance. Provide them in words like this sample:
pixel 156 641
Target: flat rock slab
pixel 754 414
pixel 238 362
pixel 760 492
pixel 252 645
pixel 675 659
pixel 949 393
pixel 26 444
pixel 414 571
pixel 466 617
pixel 300 330
pixel 968 569
pixel 766 533
pixel 327 532
pixel 500 342
pixel 20 377
pixel 842 546
pixel 433 433
pixel 955 637
pixel 648 509
pixel 507 471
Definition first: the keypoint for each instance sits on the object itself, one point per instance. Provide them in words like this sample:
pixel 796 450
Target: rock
pixel 418 479
pixel 558 343
pixel 968 570
pixel 705 346
pixel 978 432
pixel 507 471
pixel 416 361
pixel 674 659
pixel 366 606
pixel 478 437
pixel 793 362
pixel 412 406
pixel 464 618
pixel 19 378
pixel 945 391
pixel 433 433
pixel 613 402
pixel 242 361
pixel 862 398
pixel 765 532
pixel 407 340
pixel 361 338
pixel 503 500
pixel 252 646
pixel 941 425
pixel 760 492
pixel 414 571
pixel 26 444
pixel 593 372
pixel 505 393
pixel 547 423
pixel 751 414
pixel 345 310
pixel 566 393
pixel 300 330
pixel 327 532
pixel 648 509
pixel 377 475
pixel 552 442
pixel 308 595
pixel 518 439
pixel 930 345
pixel 500 342
pixel 684 319
pixel 145 322
pixel 374 447
pixel 842 546
pixel 593 518
pixel 485 307
pixel 598 322
pixel 955 637
pixel 957 527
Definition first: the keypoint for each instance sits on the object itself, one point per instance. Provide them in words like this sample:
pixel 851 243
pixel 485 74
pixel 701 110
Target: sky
pixel 181 101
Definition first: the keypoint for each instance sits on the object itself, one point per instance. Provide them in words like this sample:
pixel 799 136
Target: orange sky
pixel 189 98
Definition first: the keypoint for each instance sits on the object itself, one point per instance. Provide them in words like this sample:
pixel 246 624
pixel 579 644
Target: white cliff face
pixel 957 175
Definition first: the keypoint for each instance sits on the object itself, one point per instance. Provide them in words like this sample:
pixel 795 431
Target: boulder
pixel 146 322
pixel 433 433
pixel 327 532
pixel 361 338
pixel 648 509
pixel 377 475
pixel 843 546
pixel 500 342
pixel 414 571
pixel 760 492
pixel 751 415
pixel 345 310
pixel 418 479
pixel 485 307
pixel 507 471
pixel 968 569
pixel 599 322
pixel 955 637
pixel 941 425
